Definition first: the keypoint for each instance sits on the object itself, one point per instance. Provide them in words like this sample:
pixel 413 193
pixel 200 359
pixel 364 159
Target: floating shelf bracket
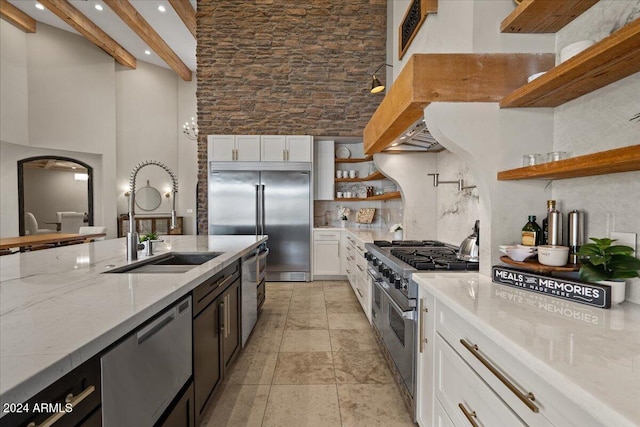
pixel 460 182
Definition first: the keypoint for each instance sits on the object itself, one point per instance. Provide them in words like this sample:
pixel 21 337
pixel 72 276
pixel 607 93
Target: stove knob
pixel 397 283
pixel 367 256
pixel 387 273
pixel 381 267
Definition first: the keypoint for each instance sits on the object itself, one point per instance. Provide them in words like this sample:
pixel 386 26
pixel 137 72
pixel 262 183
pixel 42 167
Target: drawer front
pixel 361 266
pixel 326 235
pixel 508 377
pixel 440 417
pixel 80 388
pixel 464 396
pixel 211 288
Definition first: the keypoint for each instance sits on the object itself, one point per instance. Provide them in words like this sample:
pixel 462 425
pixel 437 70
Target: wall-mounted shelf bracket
pixel 460 182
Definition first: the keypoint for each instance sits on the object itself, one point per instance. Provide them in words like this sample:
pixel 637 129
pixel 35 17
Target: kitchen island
pixel 580 362
pixel 58 309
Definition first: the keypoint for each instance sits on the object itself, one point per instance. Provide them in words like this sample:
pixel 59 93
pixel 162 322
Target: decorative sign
pixel 415 15
pixel 591 294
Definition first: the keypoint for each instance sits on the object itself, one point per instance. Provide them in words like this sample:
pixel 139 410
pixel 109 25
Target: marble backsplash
pixel 387 213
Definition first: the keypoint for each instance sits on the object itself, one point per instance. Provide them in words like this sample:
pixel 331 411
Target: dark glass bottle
pixel 531 232
pixel 551 206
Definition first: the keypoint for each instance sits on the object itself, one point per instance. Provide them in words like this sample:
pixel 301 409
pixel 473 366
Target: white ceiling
pixel 167 24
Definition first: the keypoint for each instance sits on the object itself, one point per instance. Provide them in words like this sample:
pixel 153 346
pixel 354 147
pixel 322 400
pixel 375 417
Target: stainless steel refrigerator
pixel 272 198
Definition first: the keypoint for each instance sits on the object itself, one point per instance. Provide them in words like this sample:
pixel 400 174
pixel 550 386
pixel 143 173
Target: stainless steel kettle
pixel 470 247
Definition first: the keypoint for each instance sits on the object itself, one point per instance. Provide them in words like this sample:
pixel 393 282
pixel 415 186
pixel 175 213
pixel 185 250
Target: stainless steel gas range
pixel 394 295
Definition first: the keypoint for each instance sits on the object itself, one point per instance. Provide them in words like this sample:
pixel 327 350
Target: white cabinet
pixel 229 148
pixel 326 253
pixel 286 148
pixel 324 170
pixel 463 394
pixel 464 375
pixel 356 269
pixel 425 405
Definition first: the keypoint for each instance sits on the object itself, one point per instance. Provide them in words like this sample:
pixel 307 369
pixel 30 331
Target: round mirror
pixel 148 198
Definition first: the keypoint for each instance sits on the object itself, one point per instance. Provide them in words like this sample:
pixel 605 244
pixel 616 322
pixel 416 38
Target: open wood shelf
pixel 544 16
pixel 366 159
pixel 611 161
pixel 385 196
pixel 611 59
pixel 534 265
pixel 377 175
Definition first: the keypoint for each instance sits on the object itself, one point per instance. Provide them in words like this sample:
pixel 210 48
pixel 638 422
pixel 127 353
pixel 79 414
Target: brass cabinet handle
pixel 361 296
pixel 527 399
pixel 223 315
pixel 360 268
pixel 468 415
pixel 73 400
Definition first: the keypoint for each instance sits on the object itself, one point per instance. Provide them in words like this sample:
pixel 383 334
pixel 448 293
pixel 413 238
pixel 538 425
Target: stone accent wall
pixel 284 67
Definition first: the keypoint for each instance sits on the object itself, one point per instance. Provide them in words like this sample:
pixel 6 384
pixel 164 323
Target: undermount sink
pixel 172 262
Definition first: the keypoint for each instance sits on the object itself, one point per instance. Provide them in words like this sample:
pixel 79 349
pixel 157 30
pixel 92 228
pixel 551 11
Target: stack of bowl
pixel 518 252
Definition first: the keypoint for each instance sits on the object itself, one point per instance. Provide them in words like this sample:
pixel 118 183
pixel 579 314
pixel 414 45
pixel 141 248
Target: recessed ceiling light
pixel 39 6
pixel 161 8
pixel 147 52
pixel 98 7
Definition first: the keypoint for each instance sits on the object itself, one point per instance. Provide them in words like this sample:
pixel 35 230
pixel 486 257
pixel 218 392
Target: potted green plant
pixel 149 236
pixel 604 263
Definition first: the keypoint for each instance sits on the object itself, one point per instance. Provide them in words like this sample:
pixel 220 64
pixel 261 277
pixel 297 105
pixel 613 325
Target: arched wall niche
pixel 23 163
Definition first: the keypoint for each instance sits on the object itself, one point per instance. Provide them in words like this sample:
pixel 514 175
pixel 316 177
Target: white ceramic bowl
pixel 519 254
pixel 505 248
pixel 554 256
pixel 573 49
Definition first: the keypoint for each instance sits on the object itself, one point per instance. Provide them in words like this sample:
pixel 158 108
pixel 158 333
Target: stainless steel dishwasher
pixel 254 271
pixel 143 373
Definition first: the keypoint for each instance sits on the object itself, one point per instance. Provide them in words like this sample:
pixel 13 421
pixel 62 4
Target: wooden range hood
pixel 463 77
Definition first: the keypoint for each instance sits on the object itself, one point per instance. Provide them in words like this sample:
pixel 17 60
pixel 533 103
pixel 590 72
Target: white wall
pixel 13 85
pixel 50 191
pixel 9 156
pixel 147 109
pixel 187 157
pixel 73 99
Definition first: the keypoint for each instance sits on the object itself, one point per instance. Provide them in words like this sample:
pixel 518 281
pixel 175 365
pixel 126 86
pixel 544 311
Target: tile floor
pixel 312 360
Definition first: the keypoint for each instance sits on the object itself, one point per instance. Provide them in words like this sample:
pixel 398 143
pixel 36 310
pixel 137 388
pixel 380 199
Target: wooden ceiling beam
pixel 16 17
pixel 186 12
pixel 76 19
pixel 141 27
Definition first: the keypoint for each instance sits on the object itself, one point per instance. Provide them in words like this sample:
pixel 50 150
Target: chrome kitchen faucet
pixel 133 243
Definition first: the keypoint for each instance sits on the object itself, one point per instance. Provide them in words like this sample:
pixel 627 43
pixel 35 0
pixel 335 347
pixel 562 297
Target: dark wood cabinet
pixel 230 329
pixel 216 334
pixel 73 400
pixel 181 413
pixel 207 372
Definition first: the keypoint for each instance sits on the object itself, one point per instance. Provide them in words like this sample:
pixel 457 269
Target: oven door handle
pixel 409 315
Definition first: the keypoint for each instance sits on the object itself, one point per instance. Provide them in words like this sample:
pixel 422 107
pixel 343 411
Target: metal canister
pixel 576 234
pixel 555 227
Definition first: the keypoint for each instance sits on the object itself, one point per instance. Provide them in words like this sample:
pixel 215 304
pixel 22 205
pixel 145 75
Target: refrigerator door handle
pixel 257 208
pixel 262 210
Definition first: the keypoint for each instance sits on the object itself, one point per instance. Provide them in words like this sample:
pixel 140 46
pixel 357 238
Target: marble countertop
pixel 57 309
pixel 367 235
pixel 591 355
